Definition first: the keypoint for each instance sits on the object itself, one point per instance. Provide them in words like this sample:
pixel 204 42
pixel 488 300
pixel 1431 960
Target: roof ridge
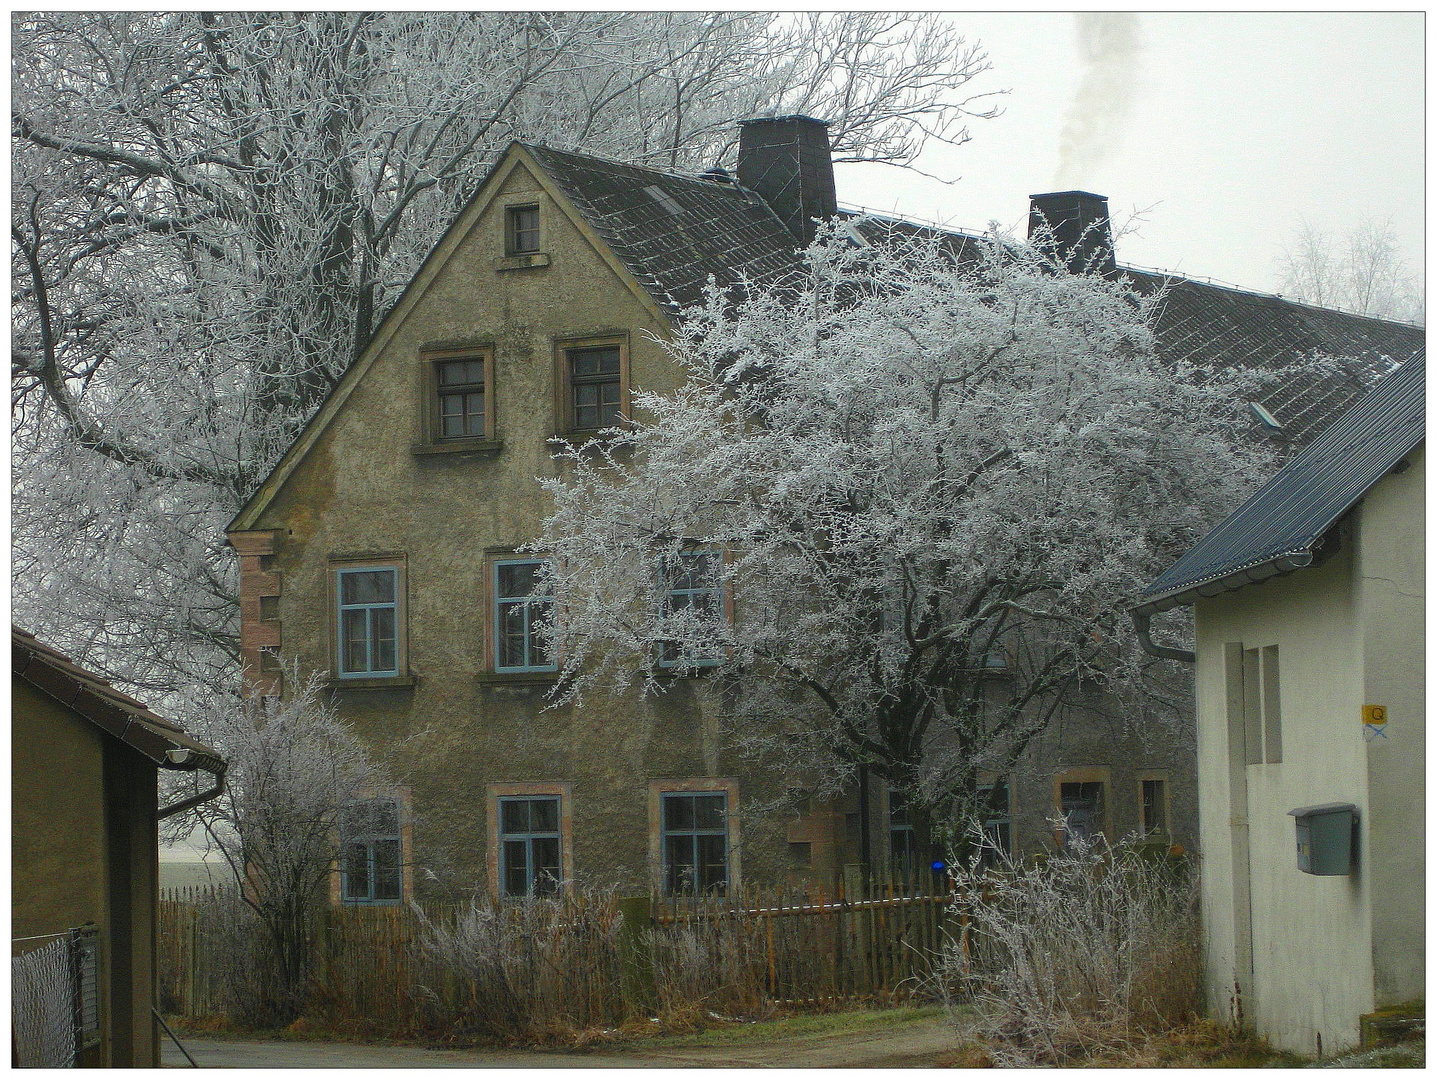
pixel 665 173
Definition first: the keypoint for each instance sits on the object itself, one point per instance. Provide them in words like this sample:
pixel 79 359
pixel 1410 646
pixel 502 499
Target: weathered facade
pixel 1310 674
pixel 84 837
pixel 384 548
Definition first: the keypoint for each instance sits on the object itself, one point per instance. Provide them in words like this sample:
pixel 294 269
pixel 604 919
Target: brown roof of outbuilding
pixel 117 714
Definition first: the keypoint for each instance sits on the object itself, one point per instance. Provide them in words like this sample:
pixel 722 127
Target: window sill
pixel 698 671
pixel 521 262
pixel 388 682
pixel 517 678
pixel 458 446
pixel 587 441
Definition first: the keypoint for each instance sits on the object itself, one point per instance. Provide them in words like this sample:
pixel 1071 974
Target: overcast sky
pixel 1226 130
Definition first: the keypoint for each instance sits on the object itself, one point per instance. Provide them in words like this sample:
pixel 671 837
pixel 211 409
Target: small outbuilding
pixel 1311 699
pixel 85 814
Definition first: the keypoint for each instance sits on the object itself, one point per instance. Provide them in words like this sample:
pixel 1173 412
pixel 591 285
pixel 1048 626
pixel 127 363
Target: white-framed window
pixel 368 621
pixel 521 606
pixel 371 862
pixel 902 839
pixel 530 845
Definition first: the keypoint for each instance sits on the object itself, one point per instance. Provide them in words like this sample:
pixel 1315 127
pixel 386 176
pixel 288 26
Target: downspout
pixel 1142 623
pixel 188 759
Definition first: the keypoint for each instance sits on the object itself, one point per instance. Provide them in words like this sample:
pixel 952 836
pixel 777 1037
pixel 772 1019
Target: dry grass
pixel 1086 954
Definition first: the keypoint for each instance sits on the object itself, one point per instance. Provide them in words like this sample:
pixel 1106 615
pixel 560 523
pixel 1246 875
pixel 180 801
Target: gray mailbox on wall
pixel 1325 838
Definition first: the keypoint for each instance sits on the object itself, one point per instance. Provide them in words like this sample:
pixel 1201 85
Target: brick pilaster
pixel 259 636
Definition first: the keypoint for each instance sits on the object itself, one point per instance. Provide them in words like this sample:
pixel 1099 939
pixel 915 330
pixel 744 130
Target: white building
pixel 1310 681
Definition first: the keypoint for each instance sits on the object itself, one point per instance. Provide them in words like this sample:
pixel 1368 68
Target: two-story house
pixel 385 546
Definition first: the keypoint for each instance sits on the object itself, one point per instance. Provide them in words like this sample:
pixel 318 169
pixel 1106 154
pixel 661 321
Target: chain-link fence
pixel 54 1001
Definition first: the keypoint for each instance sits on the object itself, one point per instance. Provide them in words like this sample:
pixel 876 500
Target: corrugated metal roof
pixel 128 720
pixel 1279 528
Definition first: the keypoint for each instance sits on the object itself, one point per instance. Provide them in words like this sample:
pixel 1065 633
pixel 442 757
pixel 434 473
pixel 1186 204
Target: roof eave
pixel 1188 594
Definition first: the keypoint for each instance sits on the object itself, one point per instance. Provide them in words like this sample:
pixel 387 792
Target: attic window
pixel 661 197
pixel 521 230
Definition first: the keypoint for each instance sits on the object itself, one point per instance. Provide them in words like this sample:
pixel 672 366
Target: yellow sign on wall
pixel 1374 715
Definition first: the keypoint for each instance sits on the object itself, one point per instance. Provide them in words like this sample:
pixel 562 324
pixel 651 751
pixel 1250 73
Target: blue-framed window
pixel 694 597
pixel 530 849
pixel 521 605
pixel 368 621
pixel 695 841
pixel 371 853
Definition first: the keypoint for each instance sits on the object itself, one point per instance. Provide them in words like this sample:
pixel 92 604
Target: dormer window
pixel 521 232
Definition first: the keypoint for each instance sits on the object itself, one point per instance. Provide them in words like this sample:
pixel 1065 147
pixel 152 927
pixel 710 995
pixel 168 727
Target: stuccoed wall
pixel 1391 590
pixel 84 849
pixel 1349 632
pixel 57 817
pixel 362 491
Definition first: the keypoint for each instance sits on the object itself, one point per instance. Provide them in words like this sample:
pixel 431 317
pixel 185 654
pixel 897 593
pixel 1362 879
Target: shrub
pixel 526 969
pixel 1078 952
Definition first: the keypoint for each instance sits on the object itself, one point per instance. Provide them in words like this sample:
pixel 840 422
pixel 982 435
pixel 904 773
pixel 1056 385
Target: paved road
pixel 910 1045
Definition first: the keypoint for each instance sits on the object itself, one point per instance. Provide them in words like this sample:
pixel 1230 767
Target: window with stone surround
pixel 521 606
pixel 368 610
pixel 592 382
pixel 694 835
pixel 371 852
pixel 530 845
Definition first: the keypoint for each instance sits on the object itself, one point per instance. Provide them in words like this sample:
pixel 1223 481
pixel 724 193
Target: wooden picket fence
pixel 583 961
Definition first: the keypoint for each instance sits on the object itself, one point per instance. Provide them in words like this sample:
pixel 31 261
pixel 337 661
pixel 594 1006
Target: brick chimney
pixel 785 160
pixel 1082 236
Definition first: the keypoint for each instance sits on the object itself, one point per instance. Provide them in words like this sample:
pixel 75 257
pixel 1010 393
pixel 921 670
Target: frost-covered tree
pixel 299 781
pixel 1361 270
pixel 896 511
pixel 212 210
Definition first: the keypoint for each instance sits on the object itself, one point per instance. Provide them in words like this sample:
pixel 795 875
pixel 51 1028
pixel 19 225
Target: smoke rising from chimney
pixel 1110 48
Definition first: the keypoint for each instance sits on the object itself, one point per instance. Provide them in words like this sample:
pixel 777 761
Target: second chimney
pixel 1079 232
pixel 785 160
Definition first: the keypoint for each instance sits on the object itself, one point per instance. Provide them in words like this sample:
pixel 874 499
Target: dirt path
pixel 914 1044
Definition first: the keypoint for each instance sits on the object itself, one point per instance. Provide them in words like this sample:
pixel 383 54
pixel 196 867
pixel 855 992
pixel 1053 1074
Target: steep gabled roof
pixel 1230 327
pixel 1279 529
pixel 672 232
pixel 117 714
pixel 666 234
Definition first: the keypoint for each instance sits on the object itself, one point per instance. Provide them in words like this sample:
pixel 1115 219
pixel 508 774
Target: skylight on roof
pixel 660 196
pixel 850 232
pixel 1269 421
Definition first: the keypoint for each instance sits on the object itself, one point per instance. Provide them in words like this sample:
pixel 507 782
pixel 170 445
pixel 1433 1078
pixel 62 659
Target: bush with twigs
pixel 1078 953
